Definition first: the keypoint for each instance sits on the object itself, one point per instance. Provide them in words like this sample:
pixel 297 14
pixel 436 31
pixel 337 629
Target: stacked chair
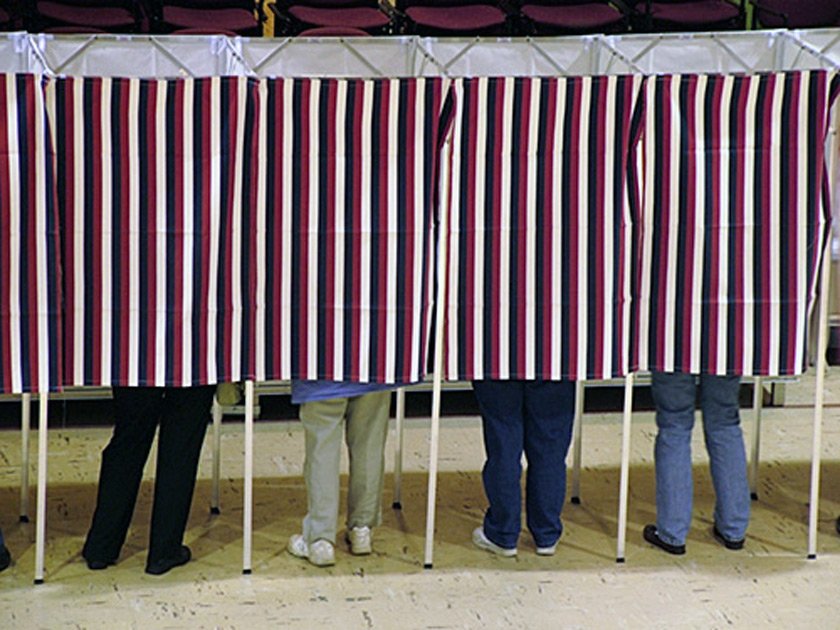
pixel 87 16
pixel 240 17
pixel 573 17
pixel 795 13
pixel 453 18
pixel 690 15
pixel 292 17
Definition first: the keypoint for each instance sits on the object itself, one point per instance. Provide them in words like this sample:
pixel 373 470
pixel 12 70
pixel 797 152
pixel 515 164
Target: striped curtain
pixel 736 216
pixel 30 292
pixel 541 201
pixel 340 224
pixel 151 194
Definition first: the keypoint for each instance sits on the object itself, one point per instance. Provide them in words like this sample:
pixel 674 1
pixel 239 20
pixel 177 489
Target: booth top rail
pixel 213 55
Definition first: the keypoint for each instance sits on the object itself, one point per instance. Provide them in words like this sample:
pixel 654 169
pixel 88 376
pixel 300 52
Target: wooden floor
pixel 768 584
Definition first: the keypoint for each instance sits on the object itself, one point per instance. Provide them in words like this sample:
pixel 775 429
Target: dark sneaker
pixel 159 567
pixel 837 525
pixel 729 544
pixel 653 538
pixel 98 565
pixel 5 558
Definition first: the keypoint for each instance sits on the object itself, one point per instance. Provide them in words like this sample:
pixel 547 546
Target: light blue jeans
pixel 674 396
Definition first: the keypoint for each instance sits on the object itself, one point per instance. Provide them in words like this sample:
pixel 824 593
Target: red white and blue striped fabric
pixel 341 221
pixel 30 292
pixel 736 217
pixel 151 192
pixel 541 228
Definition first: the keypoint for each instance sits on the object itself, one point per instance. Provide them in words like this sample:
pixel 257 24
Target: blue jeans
pixel 535 417
pixel 674 396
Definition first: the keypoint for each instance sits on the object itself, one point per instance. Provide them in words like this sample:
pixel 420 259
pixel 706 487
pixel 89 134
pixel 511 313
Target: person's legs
pixel 501 404
pixel 367 430
pixel 136 414
pixel 727 456
pixel 673 395
pixel 549 414
pixel 183 425
pixel 323 424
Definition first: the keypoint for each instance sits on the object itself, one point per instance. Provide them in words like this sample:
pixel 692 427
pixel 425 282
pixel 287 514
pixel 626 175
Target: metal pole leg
pixel 624 482
pixel 816 448
pixel 434 442
pixel 398 449
pixel 41 507
pixel 577 429
pixel 25 423
pixel 758 403
pixel 248 508
pixel 217 449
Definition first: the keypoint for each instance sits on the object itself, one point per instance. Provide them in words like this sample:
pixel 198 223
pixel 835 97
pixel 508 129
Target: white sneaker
pixel 360 540
pixel 547 551
pixel 481 541
pixel 321 553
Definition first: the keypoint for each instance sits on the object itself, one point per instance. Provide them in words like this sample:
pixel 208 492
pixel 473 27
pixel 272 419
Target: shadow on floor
pixel 778 529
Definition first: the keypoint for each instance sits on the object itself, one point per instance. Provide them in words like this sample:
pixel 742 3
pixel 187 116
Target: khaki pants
pixel 367 428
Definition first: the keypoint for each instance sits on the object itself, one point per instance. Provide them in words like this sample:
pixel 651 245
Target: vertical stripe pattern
pixel 30 291
pixel 151 195
pixel 541 218
pixel 736 212
pixel 347 174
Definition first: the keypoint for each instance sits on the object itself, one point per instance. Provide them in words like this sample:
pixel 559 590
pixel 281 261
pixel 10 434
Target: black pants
pixel 182 414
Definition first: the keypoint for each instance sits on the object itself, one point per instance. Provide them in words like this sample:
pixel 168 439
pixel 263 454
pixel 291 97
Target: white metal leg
pixel 755 445
pixel 398 449
pixel 434 440
pixel 816 449
pixel 434 436
pixel 248 494
pixel 577 438
pixel 41 507
pixel 217 455
pixel 624 482
pixel 25 423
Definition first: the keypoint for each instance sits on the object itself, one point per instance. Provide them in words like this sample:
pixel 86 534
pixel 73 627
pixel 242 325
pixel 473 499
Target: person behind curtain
pixel 327 410
pixel 534 417
pixel 182 414
pixel 674 396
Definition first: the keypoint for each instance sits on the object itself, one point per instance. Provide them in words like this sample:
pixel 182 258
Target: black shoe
pixel 729 544
pixel 653 538
pixel 98 565
pixel 159 567
pixel 5 558
pixel 837 525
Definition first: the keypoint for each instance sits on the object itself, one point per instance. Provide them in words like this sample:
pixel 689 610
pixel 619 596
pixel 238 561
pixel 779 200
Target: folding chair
pixel 690 15
pixel 243 17
pixel 452 17
pixel 350 17
pixel 564 17
pixel 795 13
pixel 113 16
